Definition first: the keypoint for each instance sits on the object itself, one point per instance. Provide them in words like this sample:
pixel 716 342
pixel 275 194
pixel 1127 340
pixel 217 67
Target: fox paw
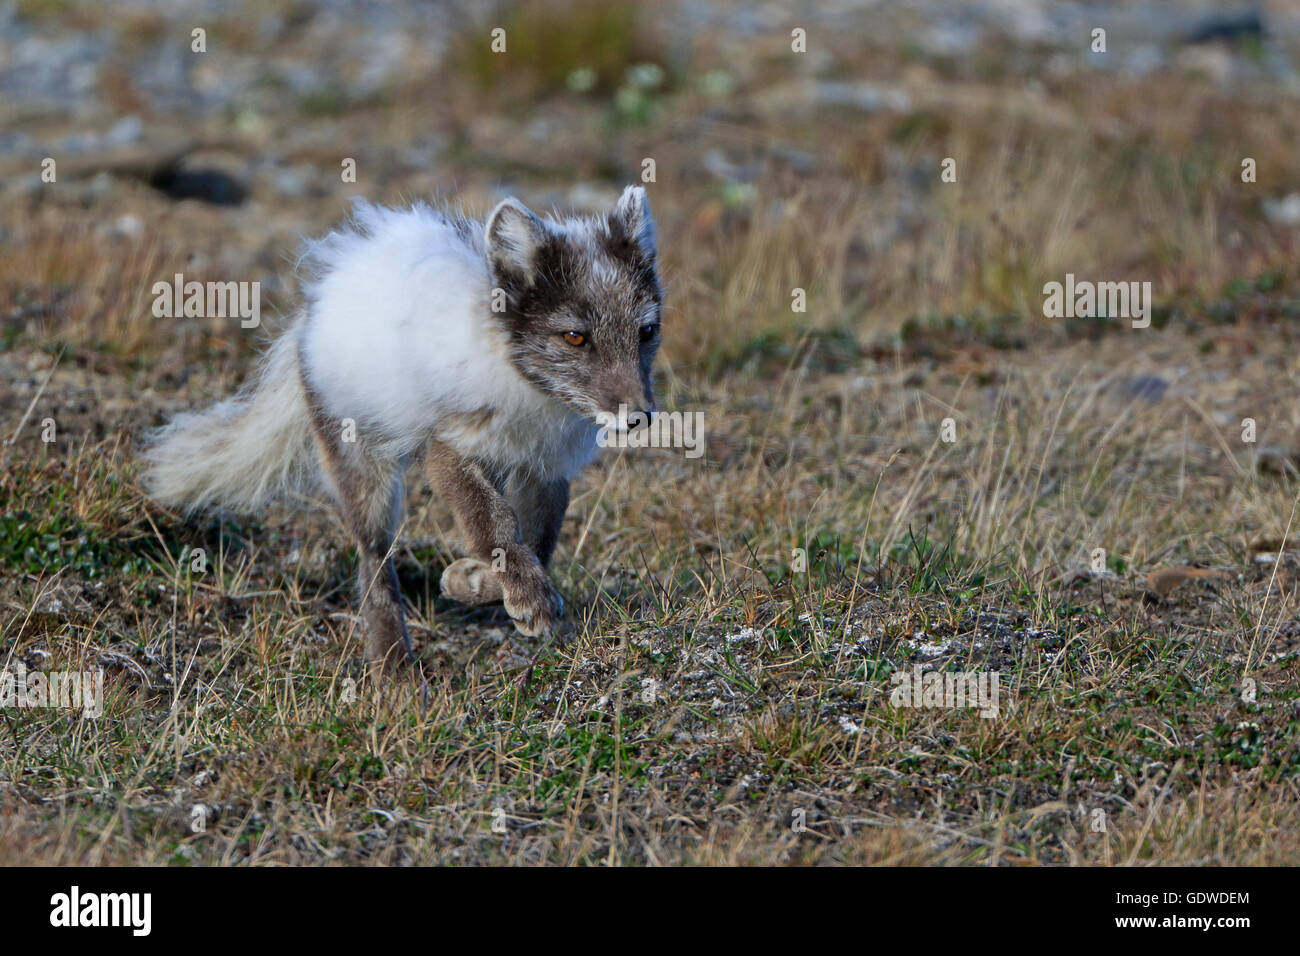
pixel 535 609
pixel 471 581
pixel 388 647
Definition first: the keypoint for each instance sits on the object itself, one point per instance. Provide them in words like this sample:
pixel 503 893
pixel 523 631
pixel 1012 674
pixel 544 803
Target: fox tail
pixel 242 452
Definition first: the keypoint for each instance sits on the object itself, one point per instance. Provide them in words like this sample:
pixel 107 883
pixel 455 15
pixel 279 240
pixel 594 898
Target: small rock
pixel 1284 211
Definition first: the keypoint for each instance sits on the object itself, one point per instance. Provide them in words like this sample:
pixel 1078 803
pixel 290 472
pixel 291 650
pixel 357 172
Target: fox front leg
pixel 501 566
pixel 539 506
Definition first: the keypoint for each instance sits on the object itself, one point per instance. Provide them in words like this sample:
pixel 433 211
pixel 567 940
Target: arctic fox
pixel 493 351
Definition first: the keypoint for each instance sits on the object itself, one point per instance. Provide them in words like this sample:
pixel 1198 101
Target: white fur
pixel 241 452
pixel 398 335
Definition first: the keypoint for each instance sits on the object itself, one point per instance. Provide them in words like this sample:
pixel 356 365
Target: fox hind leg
pixel 368 488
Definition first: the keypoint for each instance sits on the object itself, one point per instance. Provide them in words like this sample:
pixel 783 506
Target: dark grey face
pixel 582 303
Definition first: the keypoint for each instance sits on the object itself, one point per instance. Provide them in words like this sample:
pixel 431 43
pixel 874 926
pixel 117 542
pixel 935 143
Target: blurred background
pixel 772 169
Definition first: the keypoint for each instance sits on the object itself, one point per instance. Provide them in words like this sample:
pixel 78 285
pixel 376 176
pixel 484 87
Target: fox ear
pixel 632 217
pixel 514 236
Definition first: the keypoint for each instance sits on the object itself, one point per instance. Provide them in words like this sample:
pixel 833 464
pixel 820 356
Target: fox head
pixel 582 304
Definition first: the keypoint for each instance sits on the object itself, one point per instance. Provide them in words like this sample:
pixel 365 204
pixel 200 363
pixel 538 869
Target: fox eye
pixel 648 332
pixel 575 338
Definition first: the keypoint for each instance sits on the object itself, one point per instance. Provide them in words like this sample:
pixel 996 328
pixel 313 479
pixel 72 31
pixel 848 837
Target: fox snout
pixel 628 417
pixel 630 404
pixel 626 409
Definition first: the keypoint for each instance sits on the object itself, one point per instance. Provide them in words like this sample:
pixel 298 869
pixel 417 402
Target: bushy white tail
pixel 242 452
